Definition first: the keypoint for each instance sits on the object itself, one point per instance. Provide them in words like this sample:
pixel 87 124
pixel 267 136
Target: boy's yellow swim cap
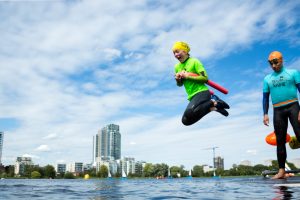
pixel 181 46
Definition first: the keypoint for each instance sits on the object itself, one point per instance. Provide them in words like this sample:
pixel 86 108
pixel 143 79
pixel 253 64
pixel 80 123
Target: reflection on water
pixel 107 189
pixel 283 192
pixel 104 189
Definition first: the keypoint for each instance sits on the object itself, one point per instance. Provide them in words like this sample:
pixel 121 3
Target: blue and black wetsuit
pixel 283 87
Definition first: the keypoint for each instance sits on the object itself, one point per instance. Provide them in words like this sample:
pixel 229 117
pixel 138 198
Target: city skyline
pixel 110 134
pixel 67 72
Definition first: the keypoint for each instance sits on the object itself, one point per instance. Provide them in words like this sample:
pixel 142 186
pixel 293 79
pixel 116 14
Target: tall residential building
pixel 108 143
pixel 219 162
pixel 1 145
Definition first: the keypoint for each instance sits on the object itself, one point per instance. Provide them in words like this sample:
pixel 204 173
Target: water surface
pixel 184 188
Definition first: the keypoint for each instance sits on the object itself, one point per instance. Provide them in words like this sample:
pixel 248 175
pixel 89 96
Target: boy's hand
pixel 178 79
pixel 178 76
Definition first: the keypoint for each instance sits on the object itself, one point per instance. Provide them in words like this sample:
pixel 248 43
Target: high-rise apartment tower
pixel 108 143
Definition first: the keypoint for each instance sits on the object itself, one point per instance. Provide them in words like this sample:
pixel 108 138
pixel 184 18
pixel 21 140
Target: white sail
pixel 287 167
pixel 190 172
pixel 123 174
pixel 169 173
pixel 109 174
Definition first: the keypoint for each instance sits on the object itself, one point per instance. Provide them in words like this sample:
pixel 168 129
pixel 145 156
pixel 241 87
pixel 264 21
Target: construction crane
pixel 214 151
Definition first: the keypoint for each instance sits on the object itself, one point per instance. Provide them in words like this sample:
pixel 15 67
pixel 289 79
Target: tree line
pixel 149 171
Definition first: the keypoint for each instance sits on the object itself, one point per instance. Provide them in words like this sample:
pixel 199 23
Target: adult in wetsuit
pixel 201 102
pixel 282 84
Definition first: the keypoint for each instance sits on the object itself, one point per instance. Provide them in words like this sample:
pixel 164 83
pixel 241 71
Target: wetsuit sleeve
pixel 265 102
pixel 266 96
pixel 298 86
pixel 297 77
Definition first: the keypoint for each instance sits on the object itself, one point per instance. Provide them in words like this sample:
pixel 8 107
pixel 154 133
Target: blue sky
pixel 68 68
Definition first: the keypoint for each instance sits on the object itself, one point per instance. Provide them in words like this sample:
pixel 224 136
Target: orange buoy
pixel 271 138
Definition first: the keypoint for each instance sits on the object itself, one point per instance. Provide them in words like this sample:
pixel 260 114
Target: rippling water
pixel 184 188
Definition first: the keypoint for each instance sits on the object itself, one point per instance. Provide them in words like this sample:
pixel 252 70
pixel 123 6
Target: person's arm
pixel 198 69
pixel 202 78
pixel 298 86
pixel 266 96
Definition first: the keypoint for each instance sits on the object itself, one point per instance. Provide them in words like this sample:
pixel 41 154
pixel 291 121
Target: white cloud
pixel 111 54
pixel 61 161
pixel 31 156
pixel 43 148
pixel 252 151
pixel 51 136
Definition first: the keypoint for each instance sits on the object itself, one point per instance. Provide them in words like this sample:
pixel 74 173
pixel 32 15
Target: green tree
pixel 220 172
pixel 3 175
pixel 183 172
pixel 35 174
pixel 130 175
pixel 175 170
pixel 28 169
pixel 69 175
pixel 10 171
pixel 245 170
pixel 49 171
pixel 259 168
pixel 149 170
pixel 103 172
pixel 160 170
pixel 275 164
pixel 197 171
pixel 117 175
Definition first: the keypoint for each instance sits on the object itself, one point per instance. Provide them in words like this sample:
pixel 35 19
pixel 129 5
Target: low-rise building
pixel 21 164
pixel 207 168
pixel 139 167
pixel 76 168
pixel 61 168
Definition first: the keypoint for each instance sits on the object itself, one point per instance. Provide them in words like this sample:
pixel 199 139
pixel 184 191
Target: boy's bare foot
pixel 289 175
pixel 279 176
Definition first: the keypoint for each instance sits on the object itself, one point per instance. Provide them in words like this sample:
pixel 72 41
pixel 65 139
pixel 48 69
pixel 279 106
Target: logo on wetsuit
pixel 279 83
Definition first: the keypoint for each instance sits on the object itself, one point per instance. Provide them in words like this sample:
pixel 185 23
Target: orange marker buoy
pixel 271 138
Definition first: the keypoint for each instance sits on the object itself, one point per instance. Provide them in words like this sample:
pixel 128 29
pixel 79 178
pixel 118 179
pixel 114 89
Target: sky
pixel 69 68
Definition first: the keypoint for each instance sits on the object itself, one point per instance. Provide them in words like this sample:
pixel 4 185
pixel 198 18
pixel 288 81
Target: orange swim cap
pixel 275 55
